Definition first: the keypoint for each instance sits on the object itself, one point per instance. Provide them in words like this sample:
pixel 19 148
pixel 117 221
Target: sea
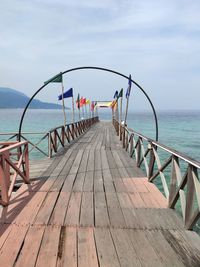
pixel 178 129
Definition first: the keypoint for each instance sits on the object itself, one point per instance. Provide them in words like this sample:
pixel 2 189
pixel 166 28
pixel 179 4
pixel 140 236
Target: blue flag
pixel 115 95
pixel 66 94
pixel 128 91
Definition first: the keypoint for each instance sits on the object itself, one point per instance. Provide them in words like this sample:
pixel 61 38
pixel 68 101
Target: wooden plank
pixel 76 163
pixel 86 248
pixel 124 200
pixel 68 250
pixel 149 200
pixel 84 161
pixel 78 183
pixel 112 200
pixel 188 255
pixel 145 252
pixel 12 245
pixel 46 209
pixel 116 218
pixel 29 212
pixel 68 184
pixel 130 187
pixel 101 212
pixel 107 255
pixel 87 210
pixel 59 212
pixel 137 201
pixel 49 247
pixel 98 181
pixel 5 230
pixel 104 160
pixel 89 182
pixel 30 249
pixel 163 249
pixel 90 166
pixel 73 212
pixel 125 251
pixel 97 158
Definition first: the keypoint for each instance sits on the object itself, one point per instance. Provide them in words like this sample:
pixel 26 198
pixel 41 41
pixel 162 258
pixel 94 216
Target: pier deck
pixel 91 206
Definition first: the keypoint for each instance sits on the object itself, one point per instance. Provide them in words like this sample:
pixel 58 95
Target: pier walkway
pixel 91 206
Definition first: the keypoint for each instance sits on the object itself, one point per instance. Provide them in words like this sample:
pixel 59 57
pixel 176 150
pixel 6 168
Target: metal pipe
pixel 86 68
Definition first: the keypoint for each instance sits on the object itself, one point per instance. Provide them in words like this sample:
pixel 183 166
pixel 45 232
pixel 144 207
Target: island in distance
pixel 10 98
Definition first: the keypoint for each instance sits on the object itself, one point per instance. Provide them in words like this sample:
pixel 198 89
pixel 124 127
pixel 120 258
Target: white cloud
pixel 154 39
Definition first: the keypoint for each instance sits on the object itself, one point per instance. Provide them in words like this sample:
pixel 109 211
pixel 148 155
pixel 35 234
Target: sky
pixel 155 41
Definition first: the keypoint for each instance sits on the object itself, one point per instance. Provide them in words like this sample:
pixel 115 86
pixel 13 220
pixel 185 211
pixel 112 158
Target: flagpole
pixel 86 111
pixel 120 134
pixel 83 112
pixel 117 117
pixel 126 113
pixel 79 114
pixel 63 105
pixel 73 109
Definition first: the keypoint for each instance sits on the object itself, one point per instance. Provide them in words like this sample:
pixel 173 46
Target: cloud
pixel 153 39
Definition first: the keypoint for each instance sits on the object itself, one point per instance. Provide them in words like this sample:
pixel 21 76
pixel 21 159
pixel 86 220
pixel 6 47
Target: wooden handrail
pixel 62 135
pixel 181 184
pixel 19 167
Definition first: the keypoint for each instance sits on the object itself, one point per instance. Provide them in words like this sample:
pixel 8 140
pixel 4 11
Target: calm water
pixel 177 129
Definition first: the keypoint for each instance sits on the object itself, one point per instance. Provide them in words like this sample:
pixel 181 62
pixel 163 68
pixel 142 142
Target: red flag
pixel 92 106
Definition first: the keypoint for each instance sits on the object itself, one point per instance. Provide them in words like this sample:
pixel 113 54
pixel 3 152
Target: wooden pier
pixel 90 205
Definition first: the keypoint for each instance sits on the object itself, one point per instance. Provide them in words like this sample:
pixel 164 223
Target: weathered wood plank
pixel 87 210
pixel 73 212
pixel 67 255
pixel 105 248
pixel 30 249
pixel 86 248
pixel 49 247
pixel 12 245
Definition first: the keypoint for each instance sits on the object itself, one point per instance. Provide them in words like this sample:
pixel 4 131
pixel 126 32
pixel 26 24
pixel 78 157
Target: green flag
pixel 120 94
pixel 56 79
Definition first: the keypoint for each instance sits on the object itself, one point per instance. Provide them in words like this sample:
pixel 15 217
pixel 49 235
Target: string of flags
pixel 83 101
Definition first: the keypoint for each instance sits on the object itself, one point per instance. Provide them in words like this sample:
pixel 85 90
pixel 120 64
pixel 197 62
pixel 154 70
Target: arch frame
pixel 89 68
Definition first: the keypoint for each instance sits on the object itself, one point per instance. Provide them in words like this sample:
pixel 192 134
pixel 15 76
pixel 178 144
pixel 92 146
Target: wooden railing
pixel 14 162
pixel 174 172
pixel 61 135
pixel 55 138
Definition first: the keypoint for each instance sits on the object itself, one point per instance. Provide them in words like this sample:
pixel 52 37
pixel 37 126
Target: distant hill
pixel 10 98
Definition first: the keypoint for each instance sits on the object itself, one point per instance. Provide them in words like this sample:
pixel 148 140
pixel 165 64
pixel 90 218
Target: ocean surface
pixel 179 130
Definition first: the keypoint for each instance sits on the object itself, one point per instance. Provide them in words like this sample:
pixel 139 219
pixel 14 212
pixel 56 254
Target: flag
pixel 66 94
pixel 120 93
pixel 92 106
pixel 56 79
pixel 84 101
pixel 116 94
pixel 129 87
pixel 78 101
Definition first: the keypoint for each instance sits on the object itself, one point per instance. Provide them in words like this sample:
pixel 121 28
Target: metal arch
pixel 93 68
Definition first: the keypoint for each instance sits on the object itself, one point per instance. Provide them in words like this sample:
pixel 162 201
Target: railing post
pixel 26 156
pixel 131 145
pixel 3 182
pixel 63 135
pixel 151 162
pixel 138 152
pixel 55 140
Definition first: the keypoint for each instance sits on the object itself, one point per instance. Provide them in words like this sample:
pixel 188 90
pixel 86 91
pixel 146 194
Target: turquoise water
pixel 179 130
